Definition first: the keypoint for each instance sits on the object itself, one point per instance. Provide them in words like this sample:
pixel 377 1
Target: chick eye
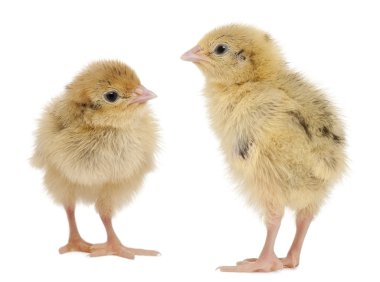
pixel 220 49
pixel 111 96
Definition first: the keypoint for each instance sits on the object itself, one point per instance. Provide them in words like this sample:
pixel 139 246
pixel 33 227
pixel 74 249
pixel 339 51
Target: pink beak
pixel 194 55
pixel 141 95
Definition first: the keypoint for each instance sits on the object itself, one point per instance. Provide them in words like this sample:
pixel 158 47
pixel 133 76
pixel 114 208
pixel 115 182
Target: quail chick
pixel 280 135
pixel 95 143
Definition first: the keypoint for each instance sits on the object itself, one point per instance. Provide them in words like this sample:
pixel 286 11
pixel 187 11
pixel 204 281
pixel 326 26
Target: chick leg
pixel 293 257
pixel 75 243
pixel 113 246
pixel 267 261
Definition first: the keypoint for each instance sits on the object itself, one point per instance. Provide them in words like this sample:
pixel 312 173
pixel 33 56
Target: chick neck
pixel 260 70
pixel 263 74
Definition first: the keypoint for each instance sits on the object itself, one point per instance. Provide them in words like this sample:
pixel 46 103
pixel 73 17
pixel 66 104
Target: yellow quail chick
pixel 280 135
pixel 95 143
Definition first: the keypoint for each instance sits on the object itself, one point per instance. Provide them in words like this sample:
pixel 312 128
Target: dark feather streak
pixel 302 122
pixel 325 132
pixel 243 148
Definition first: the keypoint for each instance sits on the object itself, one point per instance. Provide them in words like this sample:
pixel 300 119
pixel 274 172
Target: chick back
pixel 320 122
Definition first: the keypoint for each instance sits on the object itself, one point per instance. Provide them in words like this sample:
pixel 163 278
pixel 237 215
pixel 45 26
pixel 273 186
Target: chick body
pixel 94 150
pixel 87 163
pixel 276 144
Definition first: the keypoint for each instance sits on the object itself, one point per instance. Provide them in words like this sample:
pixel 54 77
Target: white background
pixel 188 208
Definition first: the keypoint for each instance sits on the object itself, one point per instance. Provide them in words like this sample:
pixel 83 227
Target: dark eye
pixel 220 49
pixel 111 96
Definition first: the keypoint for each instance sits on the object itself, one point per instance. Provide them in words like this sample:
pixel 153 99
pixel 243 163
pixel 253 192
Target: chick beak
pixel 141 95
pixel 194 55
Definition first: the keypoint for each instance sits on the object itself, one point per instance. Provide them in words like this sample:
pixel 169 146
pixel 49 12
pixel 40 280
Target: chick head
pixel 107 93
pixel 236 54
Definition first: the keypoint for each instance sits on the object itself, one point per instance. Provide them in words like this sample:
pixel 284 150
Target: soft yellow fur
pixel 95 151
pixel 291 136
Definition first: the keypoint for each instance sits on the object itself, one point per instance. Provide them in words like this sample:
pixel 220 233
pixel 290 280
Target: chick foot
pixel 255 265
pixel 77 245
pixel 290 261
pixel 117 249
pixel 114 247
pixel 267 261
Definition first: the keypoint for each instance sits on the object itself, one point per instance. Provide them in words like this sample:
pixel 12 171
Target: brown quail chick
pixel 95 143
pixel 282 138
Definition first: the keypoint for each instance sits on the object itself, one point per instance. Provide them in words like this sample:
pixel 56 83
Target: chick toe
pixel 248 260
pixel 266 264
pixel 117 249
pixel 77 245
pixel 290 261
pixel 143 252
pixel 111 249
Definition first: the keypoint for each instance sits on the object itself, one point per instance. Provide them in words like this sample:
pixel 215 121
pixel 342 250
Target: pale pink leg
pixel 75 243
pixel 113 245
pixel 267 261
pixel 302 222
